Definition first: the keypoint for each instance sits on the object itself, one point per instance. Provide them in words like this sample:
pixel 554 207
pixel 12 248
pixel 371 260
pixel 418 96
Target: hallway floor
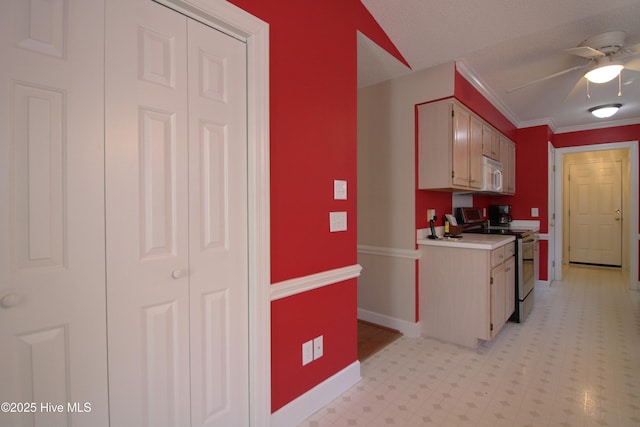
pixel 574 362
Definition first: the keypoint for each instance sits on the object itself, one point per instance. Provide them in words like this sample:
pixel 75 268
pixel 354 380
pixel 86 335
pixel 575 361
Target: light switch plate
pixel 339 189
pixel 337 221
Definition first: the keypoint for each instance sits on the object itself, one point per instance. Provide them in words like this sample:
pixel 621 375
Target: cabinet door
pixel 495 146
pixel 475 152
pixel 487 135
pixel 434 145
pixel 511 177
pixel 460 144
pixel 510 291
pixel 508 160
pixel 498 296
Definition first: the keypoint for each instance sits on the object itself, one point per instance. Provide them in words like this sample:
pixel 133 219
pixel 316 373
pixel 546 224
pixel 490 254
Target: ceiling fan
pixel 607 57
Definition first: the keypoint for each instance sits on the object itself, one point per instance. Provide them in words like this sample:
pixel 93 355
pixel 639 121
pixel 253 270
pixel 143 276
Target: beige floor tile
pixel 574 362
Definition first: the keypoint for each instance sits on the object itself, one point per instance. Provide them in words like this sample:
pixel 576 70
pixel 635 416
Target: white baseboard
pixel 296 411
pixel 410 329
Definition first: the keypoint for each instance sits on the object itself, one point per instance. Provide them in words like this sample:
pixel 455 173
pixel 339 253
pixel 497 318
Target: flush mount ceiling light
pixel 604 111
pixel 604 71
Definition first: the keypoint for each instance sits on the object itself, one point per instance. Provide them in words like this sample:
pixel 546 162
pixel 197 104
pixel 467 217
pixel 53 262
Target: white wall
pixel 386 190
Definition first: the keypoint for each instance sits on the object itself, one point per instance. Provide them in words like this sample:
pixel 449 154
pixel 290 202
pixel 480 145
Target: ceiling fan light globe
pixel 604 73
pixel 605 111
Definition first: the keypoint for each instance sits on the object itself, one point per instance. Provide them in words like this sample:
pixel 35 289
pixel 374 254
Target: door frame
pixel 632 146
pixel 247 28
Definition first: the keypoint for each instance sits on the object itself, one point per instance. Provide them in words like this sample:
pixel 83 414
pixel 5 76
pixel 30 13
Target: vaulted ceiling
pixel 500 45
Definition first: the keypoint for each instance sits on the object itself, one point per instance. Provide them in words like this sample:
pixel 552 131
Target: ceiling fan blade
pixel 634 65
pixel 585 52
pixel 579 90
pixel 634 49
pixel 546 78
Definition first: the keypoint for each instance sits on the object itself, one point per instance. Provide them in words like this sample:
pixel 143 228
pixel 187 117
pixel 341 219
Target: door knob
pixel 617 214
pixel 178 273
pixel 10 300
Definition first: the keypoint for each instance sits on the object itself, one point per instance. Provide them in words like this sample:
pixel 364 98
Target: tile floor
pixel 574 362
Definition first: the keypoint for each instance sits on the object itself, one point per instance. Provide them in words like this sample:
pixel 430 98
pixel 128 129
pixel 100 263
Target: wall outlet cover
pixel 318 347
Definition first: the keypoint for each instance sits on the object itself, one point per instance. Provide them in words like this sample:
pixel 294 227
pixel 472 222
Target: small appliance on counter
pixel 500 215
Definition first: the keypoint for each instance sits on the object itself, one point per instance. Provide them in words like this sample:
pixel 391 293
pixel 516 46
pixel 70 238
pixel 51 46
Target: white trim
pixel 410 329
pixel 241 25
pixel 632 146
pixel 296 411
pixel 390 252
pixel 299 285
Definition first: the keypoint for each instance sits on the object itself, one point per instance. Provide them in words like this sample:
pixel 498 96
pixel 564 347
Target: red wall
pixel 313 95
pixel 476 102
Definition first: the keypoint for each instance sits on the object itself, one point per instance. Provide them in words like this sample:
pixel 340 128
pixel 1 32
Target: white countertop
pixel 470 241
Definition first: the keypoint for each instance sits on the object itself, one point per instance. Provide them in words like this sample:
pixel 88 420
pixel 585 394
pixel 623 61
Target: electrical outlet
pixel 535 212
pixel 318 347
pixel 307 353
pixel 430 214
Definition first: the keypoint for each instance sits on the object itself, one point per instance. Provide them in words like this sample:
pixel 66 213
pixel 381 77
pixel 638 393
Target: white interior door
pixel 551 257
pixel 52 272
pixel 595 218
pixel 176 220
pixel 147 214
pixel 218 256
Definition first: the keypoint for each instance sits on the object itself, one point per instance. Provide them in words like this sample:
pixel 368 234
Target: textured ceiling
pixel 502 44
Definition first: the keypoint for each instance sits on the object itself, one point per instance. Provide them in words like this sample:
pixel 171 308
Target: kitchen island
pixel 466 287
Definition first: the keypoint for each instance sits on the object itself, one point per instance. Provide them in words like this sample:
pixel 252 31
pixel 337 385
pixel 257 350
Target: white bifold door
pixel 53 347
pixel 176 220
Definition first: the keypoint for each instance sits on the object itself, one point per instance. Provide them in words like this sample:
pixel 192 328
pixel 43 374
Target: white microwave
pixel 491 175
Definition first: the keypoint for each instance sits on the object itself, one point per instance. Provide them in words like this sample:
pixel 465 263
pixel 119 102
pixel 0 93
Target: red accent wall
pixel 313 110
pixel 597 136
pixel 476 102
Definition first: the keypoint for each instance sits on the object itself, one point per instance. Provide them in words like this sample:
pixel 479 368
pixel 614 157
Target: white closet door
pixel 218 228
pixel 147 214
pixel 176 220
pixel 52 274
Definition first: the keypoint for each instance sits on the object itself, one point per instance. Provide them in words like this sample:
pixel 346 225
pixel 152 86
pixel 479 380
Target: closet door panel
pixel 147 214
pixel 218 228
